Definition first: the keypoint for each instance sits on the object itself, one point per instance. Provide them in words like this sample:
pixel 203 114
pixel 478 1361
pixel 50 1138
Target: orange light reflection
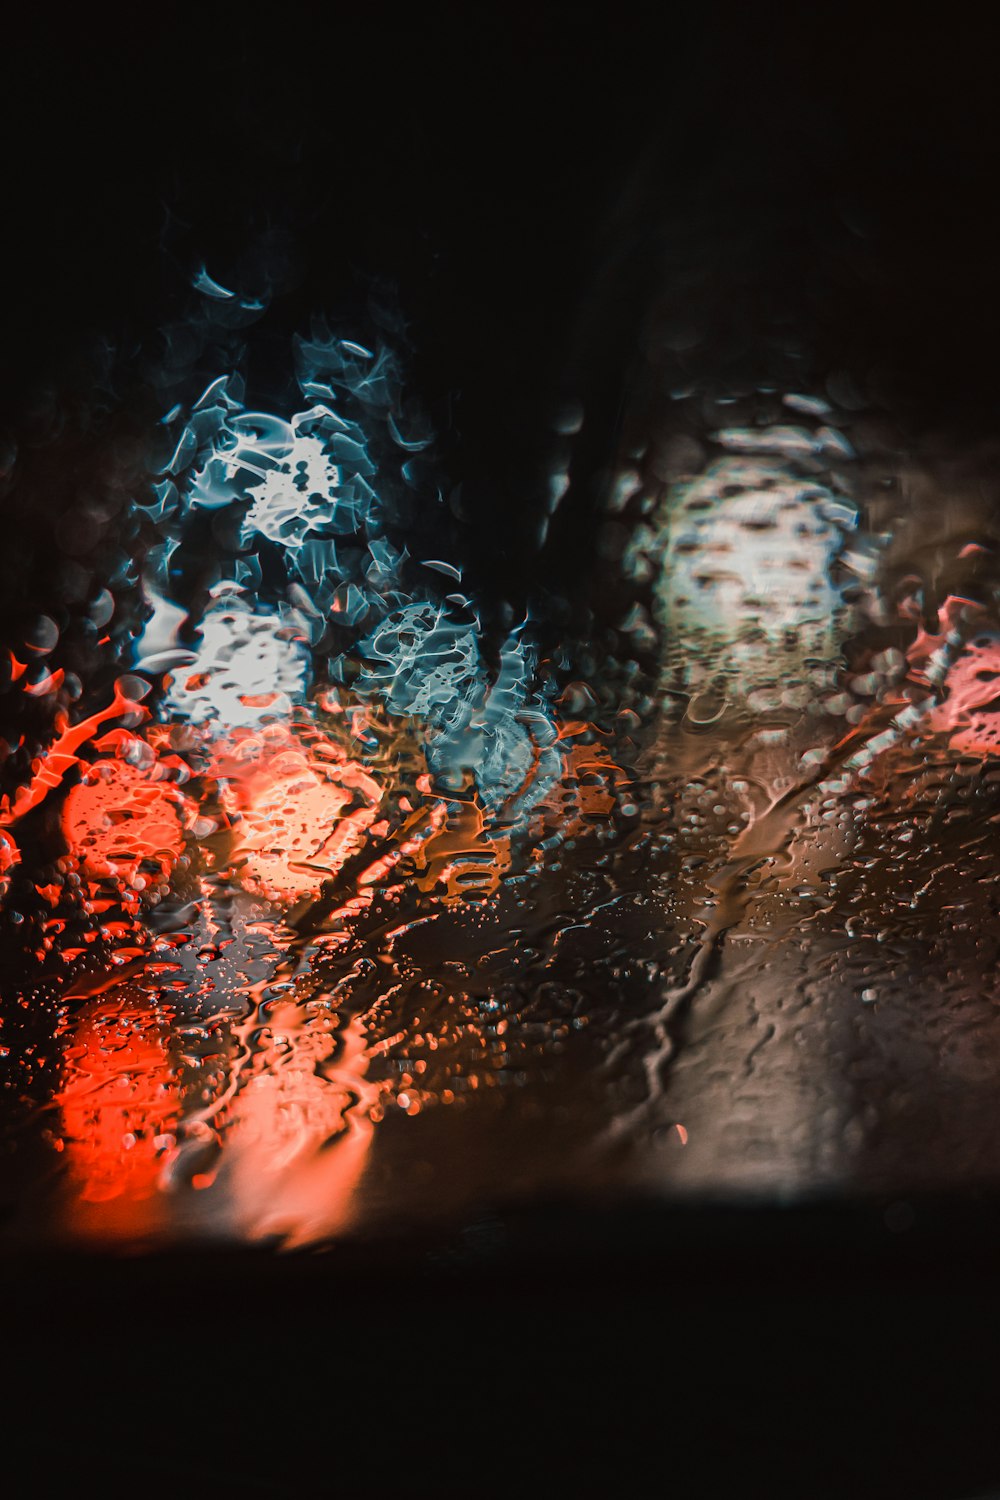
pixel 119 1110
pixel 274 1136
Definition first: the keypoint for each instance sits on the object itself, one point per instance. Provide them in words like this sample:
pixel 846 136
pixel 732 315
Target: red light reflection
pixel 268 1130
pixel 119 1109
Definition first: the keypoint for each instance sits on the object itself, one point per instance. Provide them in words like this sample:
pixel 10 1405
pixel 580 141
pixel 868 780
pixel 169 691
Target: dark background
pixel 525 185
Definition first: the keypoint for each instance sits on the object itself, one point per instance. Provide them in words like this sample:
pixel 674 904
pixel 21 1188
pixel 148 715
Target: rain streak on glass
pixel 344 905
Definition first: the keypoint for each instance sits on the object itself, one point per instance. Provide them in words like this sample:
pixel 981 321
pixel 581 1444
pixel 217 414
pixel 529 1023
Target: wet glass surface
pixel 277 979
pixel 499 645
